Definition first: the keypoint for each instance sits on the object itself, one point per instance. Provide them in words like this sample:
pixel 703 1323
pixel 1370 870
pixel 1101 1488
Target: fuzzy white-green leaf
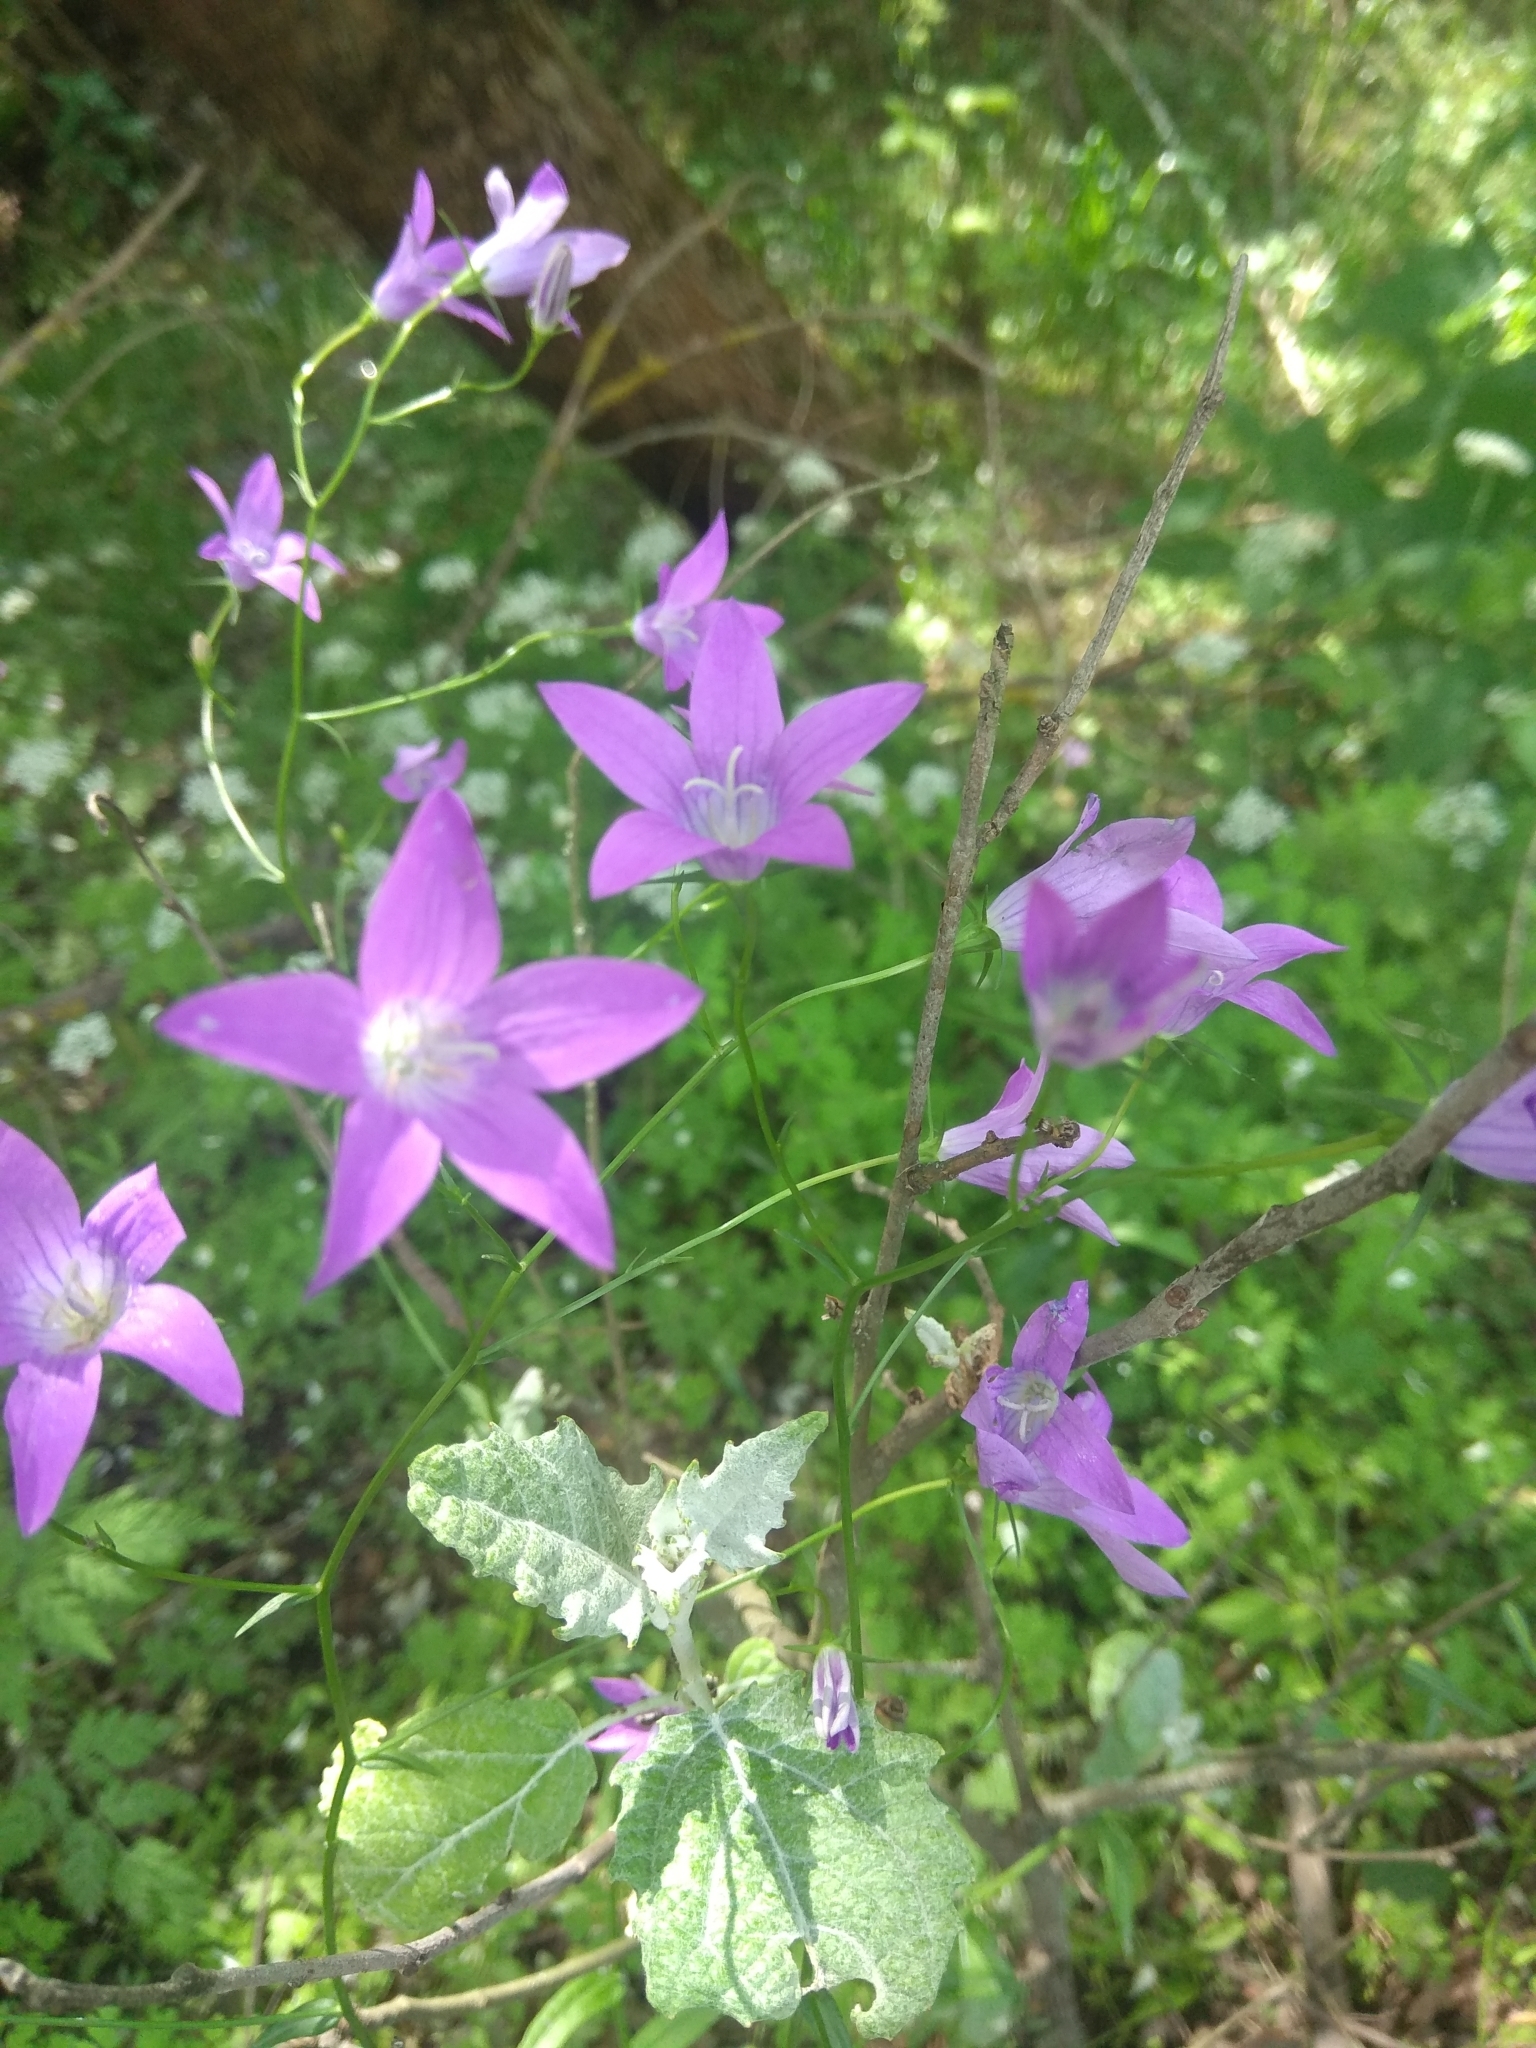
pixel 547 1516
pixel 431 1816
pixel 743 1498
pixel 742 1834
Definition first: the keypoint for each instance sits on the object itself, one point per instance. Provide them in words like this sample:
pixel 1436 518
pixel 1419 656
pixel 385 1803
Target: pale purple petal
pixel 812 835
pixel 464 309
pixel 39 1229
pixel 1007 1118
pixel 1073 1447
pixel 1054 1334
pixel 385 1163
pixel 1500 1140
pixel 593 251
pixel 423 209
pixel 639 752
pixel 1276 945
pixel 734 863
pixel 1135 1568
pixel 499 195
pixel 1192 887
pixel 259 505
pixel 213 494
pixel 169 1329
pixel 1282 1006
pixel 301 1028
pixel 517 1149
pixel 696 576
pixel 622 1692
pixel 48 1415
pixel 762 618
pixel 1079 1212
pixel 823 740
pixel 1114 864
pixel 639 846
pixel 289 581
pixel 569 1021
pixel 735 700
pixel 217 549
pixel 135 1221
pixel 432 928
pixel 419 770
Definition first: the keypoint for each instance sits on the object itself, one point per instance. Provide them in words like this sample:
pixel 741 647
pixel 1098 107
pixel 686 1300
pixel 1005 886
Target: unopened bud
pixel 200 647
pixel 833 1707
pixel 550 306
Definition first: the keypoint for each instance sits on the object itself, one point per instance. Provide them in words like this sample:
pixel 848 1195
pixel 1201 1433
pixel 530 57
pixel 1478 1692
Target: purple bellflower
pixel 1501 1140
pixel 420 770
pixel 511 259
pixel 673 627
pixel 833 1706
pixel 437 1053
pixel 1041 1447
pixel 735 793
pixel 71 1289
pixel 1100 987
pixel 420 270
pixel 251 550
pixel 1128 857
pixel 1009 1118
pixel 631 1736
pixel 549 309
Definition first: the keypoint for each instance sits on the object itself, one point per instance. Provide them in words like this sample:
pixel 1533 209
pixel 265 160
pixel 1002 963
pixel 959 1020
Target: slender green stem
pixel 112 1555
pixel 817 1536
pixel 841 1368
pixel 464 682
pixel 210 755
pixel 341 1712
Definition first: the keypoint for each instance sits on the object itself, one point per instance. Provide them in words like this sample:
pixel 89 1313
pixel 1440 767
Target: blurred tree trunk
pixel 353 95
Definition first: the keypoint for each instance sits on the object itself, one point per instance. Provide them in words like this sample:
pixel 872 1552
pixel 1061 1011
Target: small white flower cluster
pixel 1466 819
pixel 1477 449
pixel 508 708
pixel 1207 657
pixel 1250 821
pixel 36 765
pixel 929 785
pixel 80 1044
pixel 449 575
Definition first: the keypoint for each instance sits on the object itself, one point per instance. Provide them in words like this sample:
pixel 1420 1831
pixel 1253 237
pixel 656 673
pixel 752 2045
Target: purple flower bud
pixel 420 770
pixel 833 1707
pixel 550 306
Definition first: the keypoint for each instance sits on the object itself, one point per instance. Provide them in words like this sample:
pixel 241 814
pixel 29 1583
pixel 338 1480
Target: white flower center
pixel 86 1299
pixel 731 813
pixel 1029 1401
pixel 415 1049
pixel 251 553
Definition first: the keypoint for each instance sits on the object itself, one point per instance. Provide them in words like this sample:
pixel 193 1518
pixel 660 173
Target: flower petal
pixel 1500 1141
pixel 213 494
pixel 1276 945
pixel 592 252
pixel 136 1221
pixel 812 835
pixel 1135 1568
pixel 289 581
pixel 735 701
pixel 1005 1119
pixel 698 573
pixel 259 505
pixel 39 1229
pixel 517 1149
pixel 1115 863
pixel 385 1163
pixel 1054 1334
pixel 302 1028
pixel 432 928
pixel 622 1692
pixel 821 741
pixel 639 752
pixel 423 211
pixel 1086 1218
pixel 171 1330
pixel 1074 1449
pixel 569 1021
pixel 639 846
pixel 1192 887
pixel 48 1415
pixel 1282 1006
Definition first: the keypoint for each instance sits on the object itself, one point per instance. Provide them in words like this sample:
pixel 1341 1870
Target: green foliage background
pixel 1342 617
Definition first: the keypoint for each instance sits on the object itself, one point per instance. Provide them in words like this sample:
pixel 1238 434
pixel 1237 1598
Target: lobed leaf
pixel 743 1835
pixel 743 1498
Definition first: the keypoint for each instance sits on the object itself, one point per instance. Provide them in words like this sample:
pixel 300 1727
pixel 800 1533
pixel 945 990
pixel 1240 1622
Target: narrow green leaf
pixel 574 2010
pixel 743 1836
pixel 676 2030
pixel 267 1607
pixel 304 2021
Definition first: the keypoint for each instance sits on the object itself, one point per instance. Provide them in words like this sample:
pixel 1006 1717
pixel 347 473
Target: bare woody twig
pixel 487 1996
pixel 20 353
pixel 1179 1307
pixel 1053 725
pixel 53 1995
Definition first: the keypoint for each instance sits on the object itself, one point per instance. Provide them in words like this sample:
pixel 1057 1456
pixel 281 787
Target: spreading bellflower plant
pixel 421 269
pixel 1501 1140
pixel 1099 987
pixel 833 1706
pixel 1009 1118
pixel 632 1736
pixel 511 259
pixel 435 1053
pixel 251 549
pixel 1126 858
pixel 420 769
pixel 673 627
pixel 71 1289
pixel 1043 1448
pixel 735 793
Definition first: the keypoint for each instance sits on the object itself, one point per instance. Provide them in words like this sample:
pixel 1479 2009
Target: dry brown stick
pixel 1209 2037
pixel 1281 1763
pixel 21 351
pixel 188 1982
pixel 1053 725
pixel 1312 1901
pixel 1445 1857
pixel 1180 1305
pixel 489 1995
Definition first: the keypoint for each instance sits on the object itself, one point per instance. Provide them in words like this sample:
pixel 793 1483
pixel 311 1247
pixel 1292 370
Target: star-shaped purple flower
pixel 251 549
pixel 71 1289
pixel 1042 1448
pixel 511 259
pixel 1113 865
pixel 1100 987
pixel 1501 1140
pixel 631 1736
pixel 834 1709
pixel 421 769
pixel 1009 1118
pixel 673 627
pixel 421 269
pixel 437 1053
pixel 735 793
